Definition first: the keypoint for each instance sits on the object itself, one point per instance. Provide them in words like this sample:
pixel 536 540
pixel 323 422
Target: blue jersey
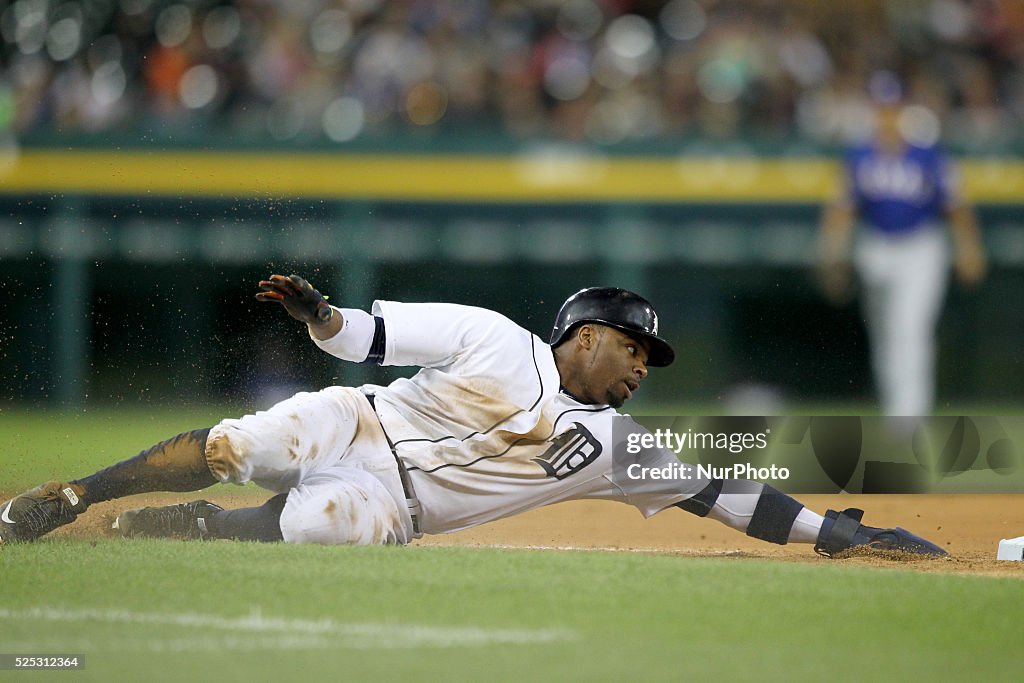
pixel 899 193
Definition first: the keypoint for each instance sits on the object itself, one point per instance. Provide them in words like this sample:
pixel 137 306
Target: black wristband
pixel 377 346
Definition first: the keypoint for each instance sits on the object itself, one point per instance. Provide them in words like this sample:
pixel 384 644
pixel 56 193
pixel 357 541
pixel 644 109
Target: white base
pixel 1011 549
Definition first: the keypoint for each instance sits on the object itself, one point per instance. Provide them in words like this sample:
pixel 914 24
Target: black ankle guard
pixel 838 532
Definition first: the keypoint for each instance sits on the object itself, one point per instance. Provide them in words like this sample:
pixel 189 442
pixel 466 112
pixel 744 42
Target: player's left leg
pixel 344 506
pixel 202 519
pixel 873 260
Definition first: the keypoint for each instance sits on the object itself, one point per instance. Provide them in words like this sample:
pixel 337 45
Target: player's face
pixel 887 127
pixel 616 366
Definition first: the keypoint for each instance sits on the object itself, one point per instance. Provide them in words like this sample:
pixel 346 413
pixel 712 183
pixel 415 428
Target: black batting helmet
pixel 618 308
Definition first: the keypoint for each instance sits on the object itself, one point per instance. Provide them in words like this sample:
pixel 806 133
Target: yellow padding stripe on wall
pixel 513 178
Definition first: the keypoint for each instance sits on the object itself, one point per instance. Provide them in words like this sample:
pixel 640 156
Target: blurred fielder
pixel 903 195
pixel 495 423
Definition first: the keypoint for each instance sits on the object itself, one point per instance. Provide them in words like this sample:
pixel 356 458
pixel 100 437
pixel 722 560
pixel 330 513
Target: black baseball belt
pixel 411 500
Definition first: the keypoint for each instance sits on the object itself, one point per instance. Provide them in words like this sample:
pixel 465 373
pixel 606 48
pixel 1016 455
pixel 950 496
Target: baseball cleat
pixel 40 511
pixel 186 520
pixel 842 531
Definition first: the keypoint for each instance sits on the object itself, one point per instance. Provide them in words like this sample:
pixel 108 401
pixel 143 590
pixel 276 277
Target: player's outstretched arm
pixel 768 514
pixel 303 302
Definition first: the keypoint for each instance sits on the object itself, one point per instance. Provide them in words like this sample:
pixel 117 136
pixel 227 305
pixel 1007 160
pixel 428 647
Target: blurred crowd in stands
pixel 600 71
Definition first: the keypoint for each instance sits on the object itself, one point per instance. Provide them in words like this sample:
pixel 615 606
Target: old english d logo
pixel 570 452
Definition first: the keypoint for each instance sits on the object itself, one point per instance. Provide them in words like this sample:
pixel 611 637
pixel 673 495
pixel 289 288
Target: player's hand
pixel 971 266
pixel 836 281
pixel 298 297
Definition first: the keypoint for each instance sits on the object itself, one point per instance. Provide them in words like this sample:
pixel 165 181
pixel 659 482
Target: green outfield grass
pixel 41 445
pixel 167 610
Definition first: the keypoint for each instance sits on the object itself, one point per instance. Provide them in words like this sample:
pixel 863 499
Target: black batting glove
pixel 298 297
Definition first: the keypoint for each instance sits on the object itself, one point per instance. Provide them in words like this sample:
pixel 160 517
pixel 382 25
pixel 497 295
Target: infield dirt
pixel 968 526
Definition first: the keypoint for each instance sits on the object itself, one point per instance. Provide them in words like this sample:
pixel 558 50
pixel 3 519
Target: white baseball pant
pixel 328 451
pixel 904 280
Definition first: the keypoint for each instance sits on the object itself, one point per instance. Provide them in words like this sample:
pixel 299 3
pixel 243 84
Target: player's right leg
pixel 916 304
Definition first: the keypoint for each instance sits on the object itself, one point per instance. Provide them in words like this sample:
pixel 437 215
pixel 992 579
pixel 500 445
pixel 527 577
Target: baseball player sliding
pixel 495 423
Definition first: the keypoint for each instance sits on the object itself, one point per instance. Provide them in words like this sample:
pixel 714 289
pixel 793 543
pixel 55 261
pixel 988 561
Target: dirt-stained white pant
pixel 328 451
pixel 904 280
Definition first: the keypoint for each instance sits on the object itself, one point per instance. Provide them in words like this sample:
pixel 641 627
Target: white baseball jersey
pixel 483 429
